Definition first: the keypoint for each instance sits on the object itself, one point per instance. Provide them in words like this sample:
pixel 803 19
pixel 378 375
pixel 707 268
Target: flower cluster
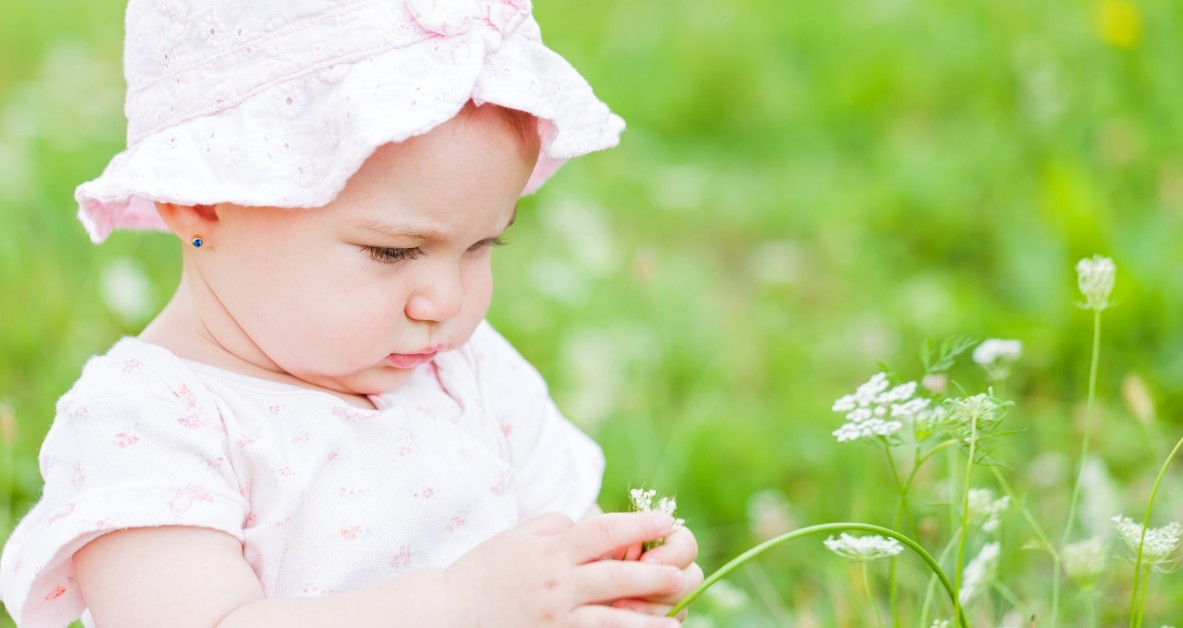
pixel 643 501
pixel 978 573
pixel 875 409
pixel 1160 543
pixel 997 355
pixel 863 548
pixel 1095 277
pixel 974 418
pixel 986 510
pixel 1084 561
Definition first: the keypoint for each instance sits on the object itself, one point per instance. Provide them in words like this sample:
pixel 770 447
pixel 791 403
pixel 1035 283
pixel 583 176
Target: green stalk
pixel 1010 596
pixel 871 596
pixel 932 583
pixel 899 485
pixel 917 462
pixel 892 592
pixel 901 507
pixel 969 465
pixel 1142 596
pixel 1084 450
pixel 1047 544
pixel 1136 614
pixel 736 562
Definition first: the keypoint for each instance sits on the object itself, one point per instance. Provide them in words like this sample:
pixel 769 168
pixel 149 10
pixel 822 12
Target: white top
pixel 325 497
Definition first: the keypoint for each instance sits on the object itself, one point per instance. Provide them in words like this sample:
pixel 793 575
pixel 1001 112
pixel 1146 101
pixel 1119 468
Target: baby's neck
pixel 179 329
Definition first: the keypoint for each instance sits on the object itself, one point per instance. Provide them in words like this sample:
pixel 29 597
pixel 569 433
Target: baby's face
pixel 353 295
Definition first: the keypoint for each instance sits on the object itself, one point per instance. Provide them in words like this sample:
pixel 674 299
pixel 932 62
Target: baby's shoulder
pixel 135 369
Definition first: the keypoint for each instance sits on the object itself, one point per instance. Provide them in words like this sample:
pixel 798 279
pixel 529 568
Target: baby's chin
pixel 371 382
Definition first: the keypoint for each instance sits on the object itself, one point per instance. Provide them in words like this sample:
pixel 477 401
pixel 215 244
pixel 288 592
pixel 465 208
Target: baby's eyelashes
pixel 390 255
pixel 488 242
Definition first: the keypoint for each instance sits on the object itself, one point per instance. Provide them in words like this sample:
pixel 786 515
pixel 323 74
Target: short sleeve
pixel 129 447
pixel 559 468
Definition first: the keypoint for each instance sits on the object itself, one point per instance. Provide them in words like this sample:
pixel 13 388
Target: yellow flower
pixel 1118 23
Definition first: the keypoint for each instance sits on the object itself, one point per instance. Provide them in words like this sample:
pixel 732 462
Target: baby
pixel 320 429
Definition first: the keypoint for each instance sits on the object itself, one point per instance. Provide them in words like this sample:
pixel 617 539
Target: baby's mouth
pixel 410 360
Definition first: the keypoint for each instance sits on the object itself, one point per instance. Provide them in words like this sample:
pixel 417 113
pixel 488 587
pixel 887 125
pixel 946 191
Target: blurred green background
pixel 804 190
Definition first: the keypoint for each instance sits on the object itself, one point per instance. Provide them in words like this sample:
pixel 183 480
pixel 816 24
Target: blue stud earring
pixel 197 242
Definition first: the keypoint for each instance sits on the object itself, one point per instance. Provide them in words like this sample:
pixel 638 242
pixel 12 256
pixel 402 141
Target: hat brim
pixel 295 144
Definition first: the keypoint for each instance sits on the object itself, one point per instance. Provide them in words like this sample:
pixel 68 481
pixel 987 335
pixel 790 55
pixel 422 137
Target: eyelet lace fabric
pixel 278 102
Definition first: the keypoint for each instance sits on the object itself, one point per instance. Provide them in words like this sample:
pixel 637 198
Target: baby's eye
pixel 486 243
pixel 390 255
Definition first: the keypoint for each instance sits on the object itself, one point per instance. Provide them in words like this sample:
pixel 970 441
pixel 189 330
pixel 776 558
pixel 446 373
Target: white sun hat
pixel 278 102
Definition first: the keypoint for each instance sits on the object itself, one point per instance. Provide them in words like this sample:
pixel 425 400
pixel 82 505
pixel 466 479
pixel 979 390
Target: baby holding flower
pixel 320 428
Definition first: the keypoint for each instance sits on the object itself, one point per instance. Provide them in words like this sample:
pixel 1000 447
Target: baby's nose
pixel 438 298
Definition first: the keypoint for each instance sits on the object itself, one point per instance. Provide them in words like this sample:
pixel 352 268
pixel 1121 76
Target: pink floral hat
pixel 278 102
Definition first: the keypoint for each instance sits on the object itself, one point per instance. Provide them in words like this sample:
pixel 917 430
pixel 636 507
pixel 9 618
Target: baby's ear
pixel 186 220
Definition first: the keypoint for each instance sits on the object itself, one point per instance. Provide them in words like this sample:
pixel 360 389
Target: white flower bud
pixel 1084 562
pixel 997 355
pixel 1095 277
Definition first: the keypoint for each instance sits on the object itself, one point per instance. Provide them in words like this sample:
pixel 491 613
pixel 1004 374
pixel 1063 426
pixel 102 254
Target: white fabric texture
pixel 278 102
pixel 325 497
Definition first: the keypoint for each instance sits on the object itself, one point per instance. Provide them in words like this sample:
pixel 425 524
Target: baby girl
pixel 320 428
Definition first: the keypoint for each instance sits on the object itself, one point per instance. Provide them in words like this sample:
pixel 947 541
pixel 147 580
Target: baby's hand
pixel 679 550
pixel 548 572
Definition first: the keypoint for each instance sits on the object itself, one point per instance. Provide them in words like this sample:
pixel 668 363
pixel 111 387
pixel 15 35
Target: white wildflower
pixel 1159 545
pixel 863 548
pixel 984 509
pixel 643 501
pixel 126 291
pixel 875 409
pixel 1084 561
pixel 978 573
pixel 973 417
pixel 997 355
pixel 942 623
pixel 1095 277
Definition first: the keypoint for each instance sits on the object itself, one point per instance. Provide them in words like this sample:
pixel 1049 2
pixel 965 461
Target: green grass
pixel 804 189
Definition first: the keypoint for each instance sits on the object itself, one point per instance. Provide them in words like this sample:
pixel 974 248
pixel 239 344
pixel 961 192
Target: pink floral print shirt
pixel 325 497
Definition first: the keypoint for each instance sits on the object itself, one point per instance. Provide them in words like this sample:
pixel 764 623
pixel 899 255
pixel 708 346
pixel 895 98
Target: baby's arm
pixel 545 572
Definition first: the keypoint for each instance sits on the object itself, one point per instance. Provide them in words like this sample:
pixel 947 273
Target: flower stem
pixel 736 562
pixel 1142 596
pixel 1047 544
pixel 903 489
pixel 1010 597
pixel 1136 613
pixel 871 596
pixel 932 583
pixel 1084 450
pixel 969 465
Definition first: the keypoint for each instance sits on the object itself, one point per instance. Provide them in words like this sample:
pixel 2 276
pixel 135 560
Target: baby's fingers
pixel 600 535
pixel 691 578
pixel 598 616
pixel 610 580
pixel 679 549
